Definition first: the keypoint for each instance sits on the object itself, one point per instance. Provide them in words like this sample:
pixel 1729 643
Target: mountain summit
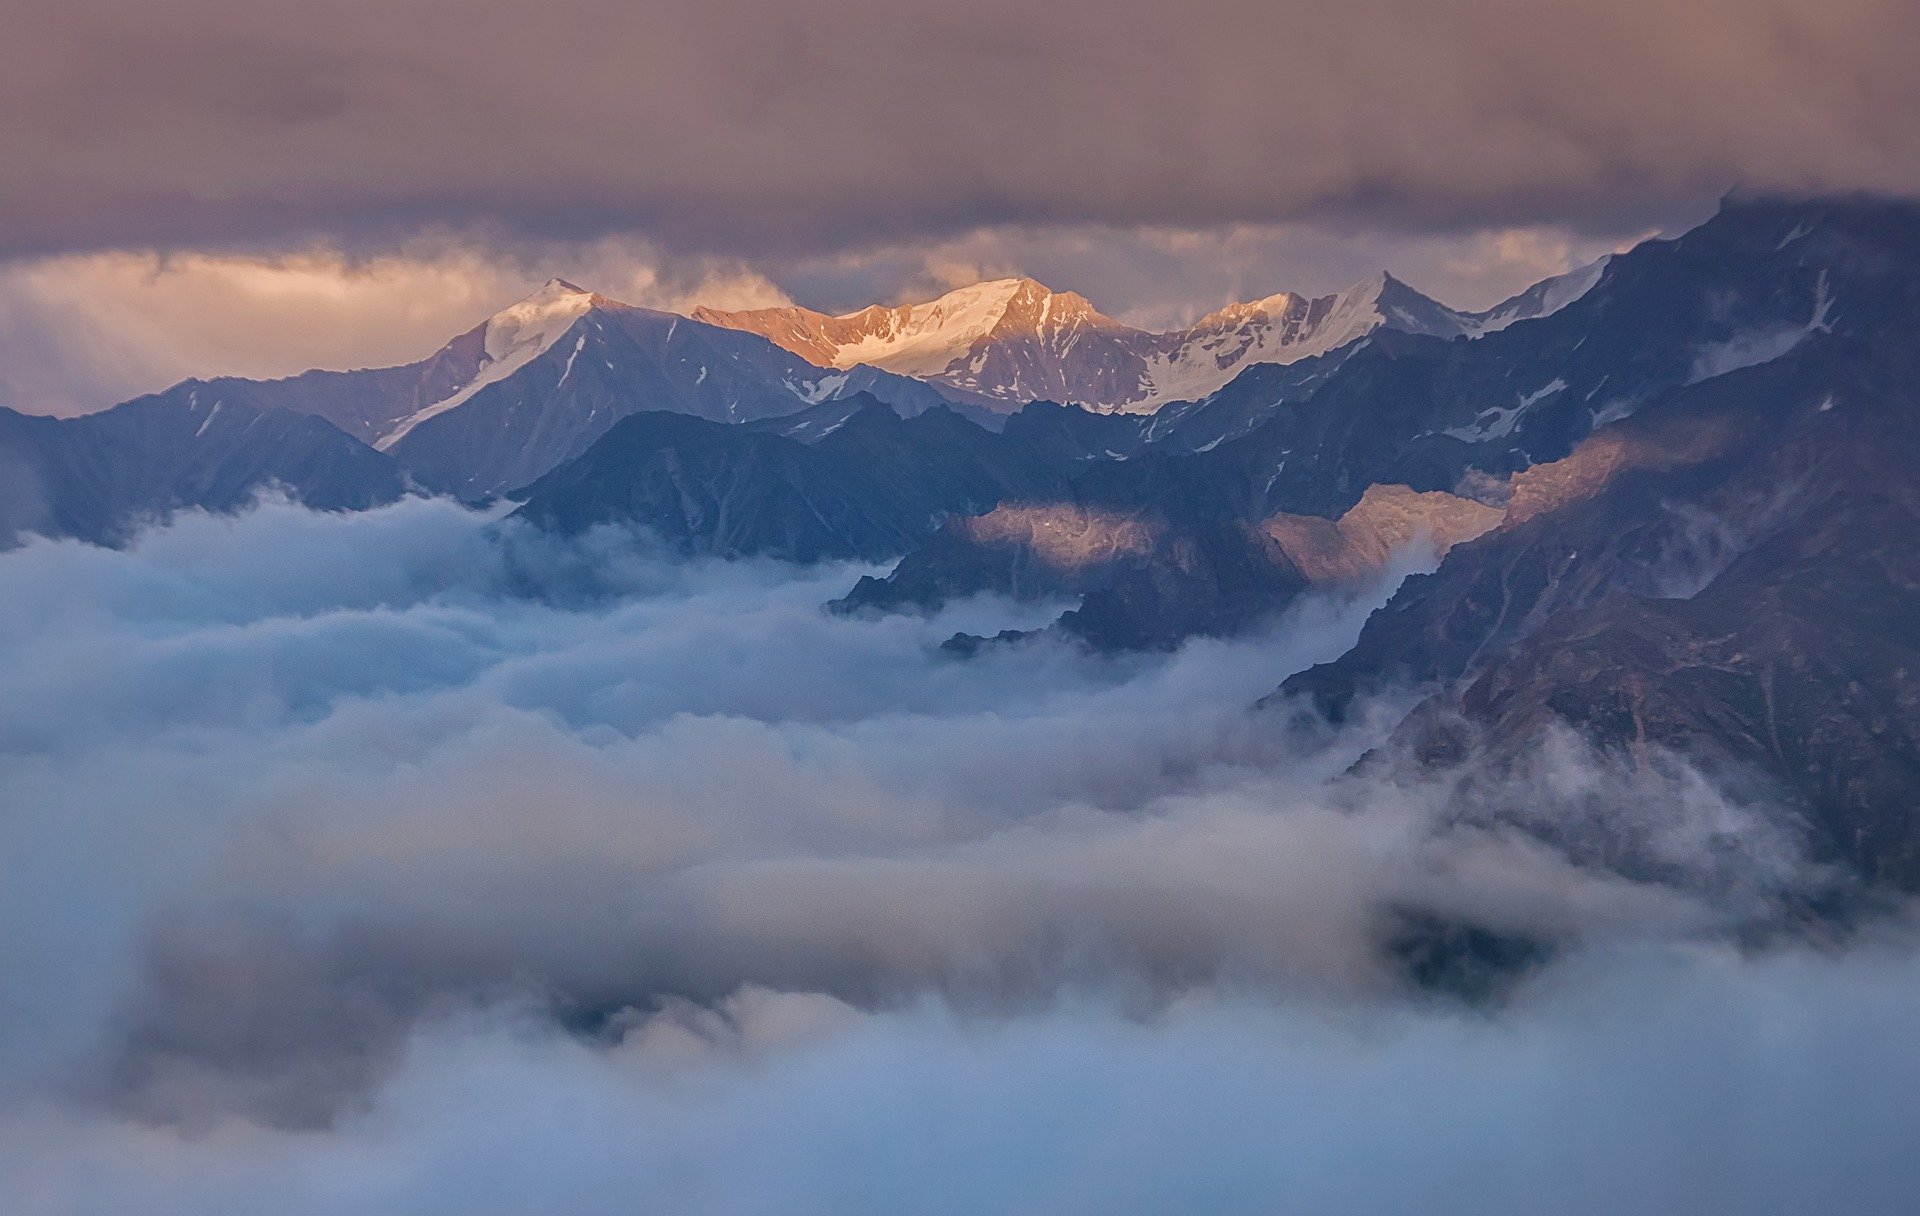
pixel 509 340
pixel 926 340
pixel 537 382
pixel 1003 343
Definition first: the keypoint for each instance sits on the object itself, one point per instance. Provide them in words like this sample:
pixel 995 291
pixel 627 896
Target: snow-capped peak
pixel 989 297
pixel 512 338
pixel 926 339
pixel 1542 299
pixel 536 322
pixel 1007 341
pixel 1281 328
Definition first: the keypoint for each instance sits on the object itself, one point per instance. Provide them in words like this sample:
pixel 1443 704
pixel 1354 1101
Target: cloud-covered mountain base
pixel 408 862
pixel 1667 1085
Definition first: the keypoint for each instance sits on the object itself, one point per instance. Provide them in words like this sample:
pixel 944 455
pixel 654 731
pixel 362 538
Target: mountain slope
pixel 1730 577
pixel 1746 290
pixel 1151 582
pixel 1191 364
pixel 1004 343
pixel 98 476
pixel 612 361
pixel 845 483
pixel 1407 409
pixel 1746 602
pixel 999 344
pixel 537 382
pixel 1594 518
pixel 1543 299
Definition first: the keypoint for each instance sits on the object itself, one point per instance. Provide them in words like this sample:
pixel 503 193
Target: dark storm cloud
pixel 756 127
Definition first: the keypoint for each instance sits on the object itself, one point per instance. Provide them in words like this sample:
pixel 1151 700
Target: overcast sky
pixel 325 163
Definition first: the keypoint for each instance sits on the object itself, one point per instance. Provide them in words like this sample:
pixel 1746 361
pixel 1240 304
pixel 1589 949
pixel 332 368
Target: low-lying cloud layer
pixel 338 870
pixel 1695 1086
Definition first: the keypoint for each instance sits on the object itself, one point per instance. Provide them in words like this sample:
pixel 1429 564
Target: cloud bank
pixel 352 182
pixel 749 127
pixel 340 868
pixel 1673 1087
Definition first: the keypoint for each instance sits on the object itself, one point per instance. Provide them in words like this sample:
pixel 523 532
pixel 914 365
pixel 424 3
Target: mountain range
pixel 538 382
pixel 1005 343
pixel 535 385
pixel 1671 501
pixel 100 476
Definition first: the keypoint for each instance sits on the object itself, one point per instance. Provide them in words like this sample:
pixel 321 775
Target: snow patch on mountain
pixel 926 339
pixel 1283 328
pixel 515 337
pixel 1763 344
pixel 1009 341
pixel 1543 299
pixel 815 391
pixel 1498 422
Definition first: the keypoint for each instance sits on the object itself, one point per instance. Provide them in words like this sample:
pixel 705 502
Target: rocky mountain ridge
pixel 1005 343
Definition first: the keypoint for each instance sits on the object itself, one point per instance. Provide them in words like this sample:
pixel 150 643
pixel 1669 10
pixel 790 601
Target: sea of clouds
pixel 408 862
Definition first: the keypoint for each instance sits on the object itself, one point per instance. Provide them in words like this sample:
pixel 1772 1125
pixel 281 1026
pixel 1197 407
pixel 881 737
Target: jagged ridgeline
pixel 535 385
pixel 1672 497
